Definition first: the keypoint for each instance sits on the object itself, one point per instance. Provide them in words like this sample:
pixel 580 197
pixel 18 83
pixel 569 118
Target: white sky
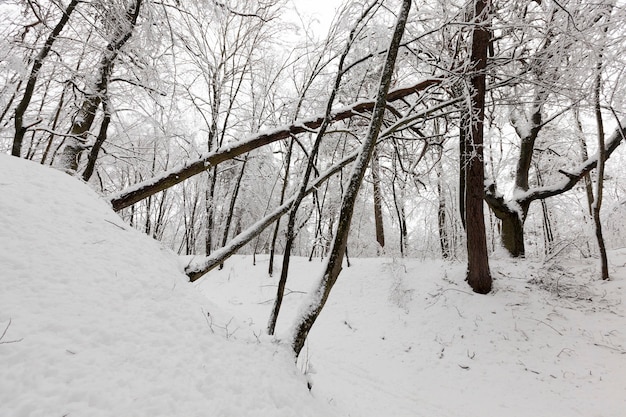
pixel 320 12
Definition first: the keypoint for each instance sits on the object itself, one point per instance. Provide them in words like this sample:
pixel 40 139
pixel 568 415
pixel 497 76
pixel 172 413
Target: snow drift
pixel 97 319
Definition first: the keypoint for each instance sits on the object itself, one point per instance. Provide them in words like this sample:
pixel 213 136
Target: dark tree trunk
pixel 283 190
pixel 231 206
pixel 378 210
pixel 291 222
pixel 513 234
pixel 209 211
pixel 597 204
pixel 478 274
pixel 102 137
pixel 444 240
pixel 20 129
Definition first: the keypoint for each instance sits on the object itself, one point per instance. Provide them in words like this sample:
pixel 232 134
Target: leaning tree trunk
pixel 199 267
pixel 478 275
pixel 340 243
pixel 167 179
pixel 291 222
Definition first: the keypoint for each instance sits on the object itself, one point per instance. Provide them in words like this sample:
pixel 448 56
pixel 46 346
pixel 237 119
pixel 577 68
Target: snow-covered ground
pixel 99 320
pixel 409 338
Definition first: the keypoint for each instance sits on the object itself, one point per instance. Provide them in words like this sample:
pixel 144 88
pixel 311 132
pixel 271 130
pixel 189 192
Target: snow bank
pixel 99 320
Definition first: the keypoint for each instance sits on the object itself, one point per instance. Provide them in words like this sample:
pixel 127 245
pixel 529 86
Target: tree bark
pixel 478 274
pixel 231 206
pixel 102 137
pixel 291 222
pixel 378 198
pixel 335 259
pixel 597 204
pixel 283 191
pixel 444 240
pixel 76 142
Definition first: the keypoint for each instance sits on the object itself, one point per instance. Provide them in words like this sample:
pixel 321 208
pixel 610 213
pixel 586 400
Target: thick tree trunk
pixel 77 140
pixel 335 259
pixel 478 274
pixel 513 234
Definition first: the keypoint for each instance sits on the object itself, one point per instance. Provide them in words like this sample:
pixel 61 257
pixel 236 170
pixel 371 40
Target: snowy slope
pixel 409 338
pixel 99 320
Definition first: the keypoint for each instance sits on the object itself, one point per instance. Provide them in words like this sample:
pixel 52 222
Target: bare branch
pixel 177 175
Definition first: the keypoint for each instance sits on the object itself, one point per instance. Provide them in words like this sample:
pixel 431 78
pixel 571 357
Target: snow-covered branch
pixel 574 175
pixel 198 268
pixel 176 175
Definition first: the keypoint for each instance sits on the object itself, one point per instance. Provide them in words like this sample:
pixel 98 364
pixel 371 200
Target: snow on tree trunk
pixel 168 179
pixel 333 266
pixel 478 274
pixel 201 266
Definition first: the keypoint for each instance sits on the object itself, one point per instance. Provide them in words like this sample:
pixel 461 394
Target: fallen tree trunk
pixel 198 268
pixel 167 179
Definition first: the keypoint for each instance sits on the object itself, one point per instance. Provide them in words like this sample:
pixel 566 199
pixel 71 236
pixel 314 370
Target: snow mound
pixel 97 319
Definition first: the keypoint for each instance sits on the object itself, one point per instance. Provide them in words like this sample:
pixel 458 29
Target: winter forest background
pixel 466 131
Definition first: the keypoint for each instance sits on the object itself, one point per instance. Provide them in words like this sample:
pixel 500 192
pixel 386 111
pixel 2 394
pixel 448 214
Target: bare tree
pixel 38 62
pixel 291 222
pixel 76 142
pixel 144 189
pixel 335 259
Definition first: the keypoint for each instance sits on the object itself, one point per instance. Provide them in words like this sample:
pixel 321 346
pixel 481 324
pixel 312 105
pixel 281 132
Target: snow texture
pixel 100 320
pixel 409 338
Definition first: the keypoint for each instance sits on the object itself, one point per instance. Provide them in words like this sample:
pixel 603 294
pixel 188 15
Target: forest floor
pixel 404 337
pixel 96 319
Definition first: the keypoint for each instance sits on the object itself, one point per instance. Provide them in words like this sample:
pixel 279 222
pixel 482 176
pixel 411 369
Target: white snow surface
pixel 104 323
pixel 99 320
pixel 409 338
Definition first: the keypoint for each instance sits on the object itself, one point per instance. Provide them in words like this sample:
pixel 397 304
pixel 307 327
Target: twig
pixel 5 332
pixel 117 225
pixel 206 317
pixel 623 352
pixel 543 322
